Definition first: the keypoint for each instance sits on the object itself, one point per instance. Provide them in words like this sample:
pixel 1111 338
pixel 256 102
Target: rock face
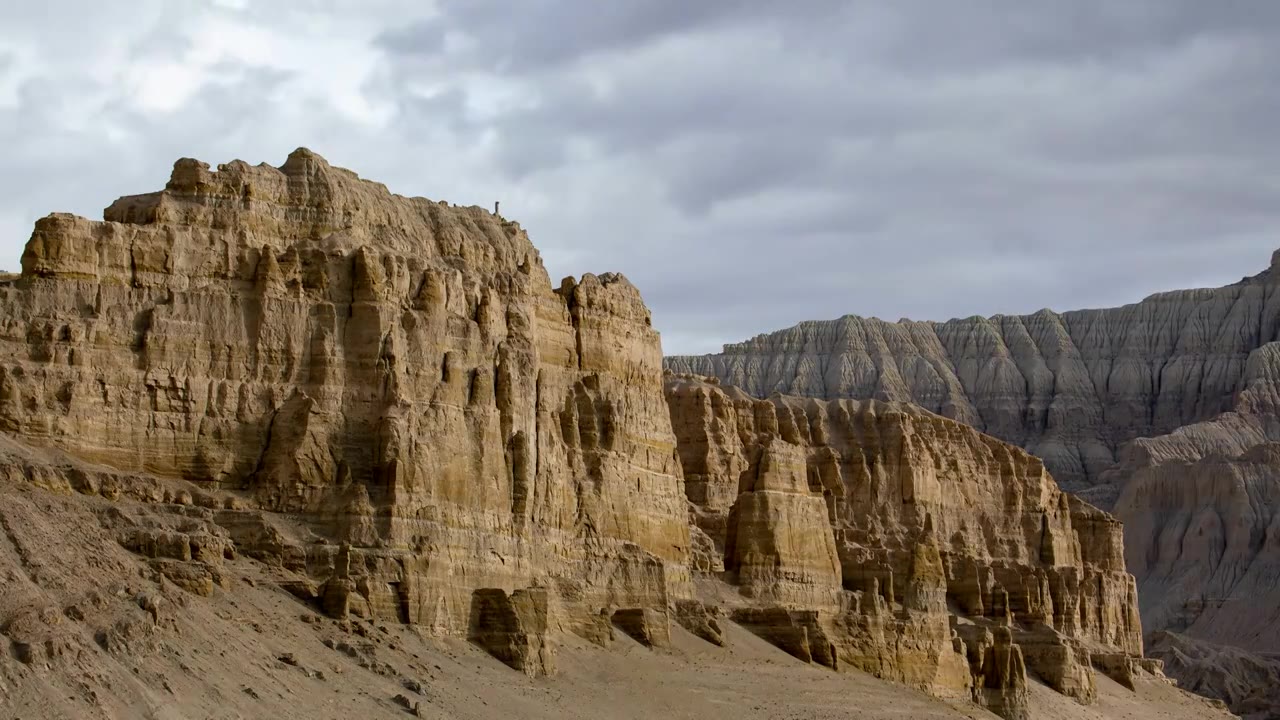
pixel 1247 682
pixel 513 628
pixel 1202 512
pixel 1071 388
pixel 1166 411
pixel 398 372
pixel 1206 541
pixel 381 405
pixel 902 543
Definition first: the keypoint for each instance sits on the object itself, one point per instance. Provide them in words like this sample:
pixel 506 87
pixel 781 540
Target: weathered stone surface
pixel 778 540
pixel 1201 507
pixel 1002 677
pixel 925 517
pixel 1165 411
pixel 890 473
pixel 798 632
pixel 1202 511
pixel 1125 669
pixel 380 405
pixel 1247 682
pixel 701 619
pixel 1069 387
pixel 1064 666
pixel 1205 539
pixel 648 626
pixel 514 628
pixel 397 372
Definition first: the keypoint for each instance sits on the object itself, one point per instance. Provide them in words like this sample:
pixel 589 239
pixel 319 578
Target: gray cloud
pixel 540 34
pixel 746 164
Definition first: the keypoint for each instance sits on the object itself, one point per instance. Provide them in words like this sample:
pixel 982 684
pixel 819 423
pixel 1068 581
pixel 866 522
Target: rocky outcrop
pixel 398 373
pixel 778 542
pixel 1071 388
pixel 648 626
pixel 1201 507
pixel 798 632
pixel 956 562
pixel 701 619
pixel 1000 677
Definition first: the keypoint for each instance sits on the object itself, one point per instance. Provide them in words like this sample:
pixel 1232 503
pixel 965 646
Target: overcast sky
pixel 747 164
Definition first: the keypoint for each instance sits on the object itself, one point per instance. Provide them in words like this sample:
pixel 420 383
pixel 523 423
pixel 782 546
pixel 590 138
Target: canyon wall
pixel 1202 524
pixel 1071 388
pixel 1166 411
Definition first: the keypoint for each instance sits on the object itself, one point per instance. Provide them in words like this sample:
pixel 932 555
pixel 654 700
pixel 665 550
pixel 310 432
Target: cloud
pixel 746 164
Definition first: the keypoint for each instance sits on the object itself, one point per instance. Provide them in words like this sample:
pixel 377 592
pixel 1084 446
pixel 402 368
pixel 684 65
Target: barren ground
pixel 77 641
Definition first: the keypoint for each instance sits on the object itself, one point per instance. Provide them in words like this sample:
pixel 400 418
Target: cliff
pixel 1165 411
pixel 1202 513
pixel 398 373
pixel 923 545
pixel 1071 388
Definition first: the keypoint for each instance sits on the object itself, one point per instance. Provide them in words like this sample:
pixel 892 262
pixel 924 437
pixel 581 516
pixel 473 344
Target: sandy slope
pixel 77 642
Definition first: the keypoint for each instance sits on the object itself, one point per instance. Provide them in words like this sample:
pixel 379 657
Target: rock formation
pixel 513 628
pixel 1206 541
pixel 1071 388
pixel 1249 683
pixel 883 537
pixel 382 405
pixel 1167 411
pixel 397 372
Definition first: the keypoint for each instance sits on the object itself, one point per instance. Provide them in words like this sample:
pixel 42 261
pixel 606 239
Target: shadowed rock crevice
pixel 513 628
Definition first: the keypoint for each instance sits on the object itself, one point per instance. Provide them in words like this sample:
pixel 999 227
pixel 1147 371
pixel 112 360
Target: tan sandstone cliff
pixel 292 377
pixel 397 372
pixel 928 552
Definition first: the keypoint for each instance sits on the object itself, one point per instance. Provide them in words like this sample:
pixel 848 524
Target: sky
pixel 747 164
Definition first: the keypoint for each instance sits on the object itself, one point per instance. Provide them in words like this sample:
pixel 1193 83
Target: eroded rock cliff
pixel 1166 411
pixel 1071 388
pixel 397 372
pixel 914 546
pixel 1247 682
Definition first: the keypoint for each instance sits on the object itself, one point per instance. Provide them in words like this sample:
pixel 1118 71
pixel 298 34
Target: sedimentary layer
pixel 1165 411
pixel 398 372
pixel 921 549
pixel 1071 388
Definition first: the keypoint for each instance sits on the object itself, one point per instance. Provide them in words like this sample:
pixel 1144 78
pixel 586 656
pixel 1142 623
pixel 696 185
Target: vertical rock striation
pixel 398 373
pixel 1071 388
pixel 1165 411
pixel 925 551
pixel 1202 513
pixel 385 402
